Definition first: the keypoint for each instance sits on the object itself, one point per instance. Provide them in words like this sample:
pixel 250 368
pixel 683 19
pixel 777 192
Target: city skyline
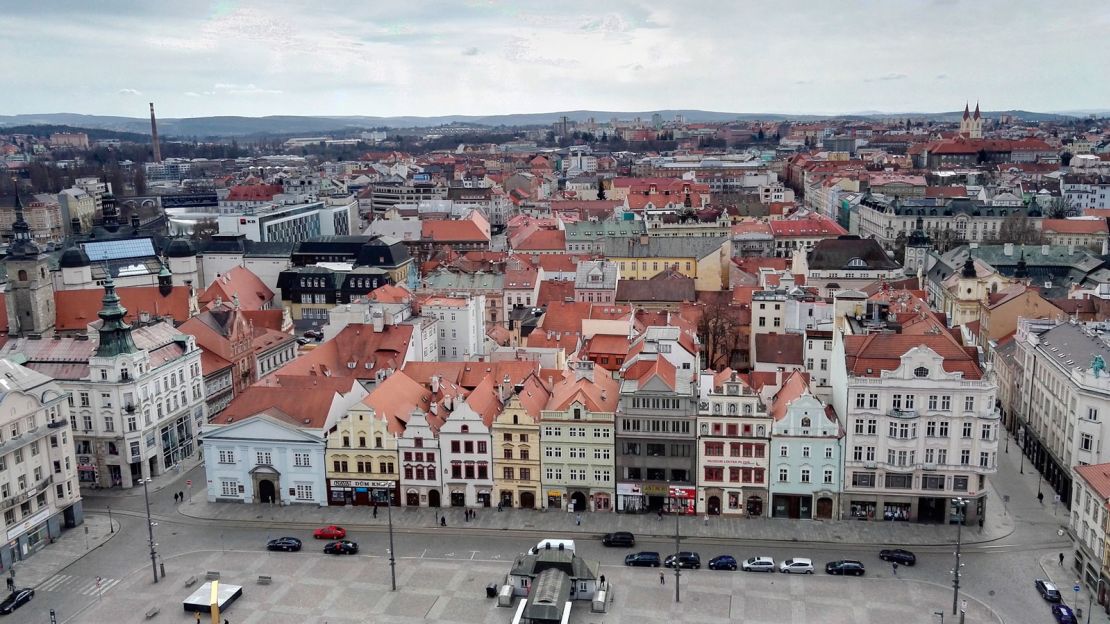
pixel 488 58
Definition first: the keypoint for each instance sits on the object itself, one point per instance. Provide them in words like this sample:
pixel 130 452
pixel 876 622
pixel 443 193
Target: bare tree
pixel 205 229
pixel 1018 229
pixel 719 332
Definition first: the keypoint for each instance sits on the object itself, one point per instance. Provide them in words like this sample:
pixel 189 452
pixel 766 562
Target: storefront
pixel 681 500
pixel 34 533
pixel 630 498
pixel 362 492
pixel 555 499
pixel 793 506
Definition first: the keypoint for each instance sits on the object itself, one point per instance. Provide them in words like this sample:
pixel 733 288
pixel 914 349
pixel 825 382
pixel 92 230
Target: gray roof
pixel 669 247
pixel 548 596
pixel 838 253
pixel 1073 346
pixel 447 280
pixel 1054 264
pixel 596 274
pixel 593 230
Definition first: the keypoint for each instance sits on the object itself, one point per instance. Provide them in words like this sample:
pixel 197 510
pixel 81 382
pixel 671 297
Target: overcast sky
pixel 379 57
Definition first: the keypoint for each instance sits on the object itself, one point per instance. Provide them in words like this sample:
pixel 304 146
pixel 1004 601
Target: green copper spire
pixel 115 334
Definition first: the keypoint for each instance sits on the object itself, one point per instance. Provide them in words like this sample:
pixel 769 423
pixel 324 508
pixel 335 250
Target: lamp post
pixel 959 504
pixel 150 530
pixel 940 614
pixel 677 565
pixel 111 527
pixel 1091 598
pixel 392 559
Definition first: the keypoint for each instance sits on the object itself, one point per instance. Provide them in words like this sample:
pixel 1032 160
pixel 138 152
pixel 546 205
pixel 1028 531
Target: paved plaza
pixel 311 588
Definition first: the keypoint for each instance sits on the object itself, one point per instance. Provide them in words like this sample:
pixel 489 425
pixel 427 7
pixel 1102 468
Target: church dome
pixel 180 248
pixel 74 257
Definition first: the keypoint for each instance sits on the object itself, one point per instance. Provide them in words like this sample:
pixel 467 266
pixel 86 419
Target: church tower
pixel 916 259
pixel 30 296
pixel 971 126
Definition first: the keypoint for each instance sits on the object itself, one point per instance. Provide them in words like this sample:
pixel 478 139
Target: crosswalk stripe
pixel 51 583
pixel 78 584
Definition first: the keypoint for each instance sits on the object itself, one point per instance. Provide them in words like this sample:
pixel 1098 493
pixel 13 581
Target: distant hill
pixel 95 134
pixel 294 124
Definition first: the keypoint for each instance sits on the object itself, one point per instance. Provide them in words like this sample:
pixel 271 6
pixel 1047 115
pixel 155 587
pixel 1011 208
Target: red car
pixel 330 532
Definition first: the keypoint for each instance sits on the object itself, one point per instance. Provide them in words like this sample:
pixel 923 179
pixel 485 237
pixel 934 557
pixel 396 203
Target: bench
pixel 212 576
pixel 153 611
pixel 189 582
pixel 264 579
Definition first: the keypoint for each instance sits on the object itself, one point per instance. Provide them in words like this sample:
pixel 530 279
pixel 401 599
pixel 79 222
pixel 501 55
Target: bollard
pixel 162 568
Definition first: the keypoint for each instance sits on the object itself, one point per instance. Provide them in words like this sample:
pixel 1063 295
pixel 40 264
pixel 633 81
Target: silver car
pixel 797 565
pixel 758 564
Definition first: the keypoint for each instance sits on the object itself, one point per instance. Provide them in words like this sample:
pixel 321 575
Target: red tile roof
pixel 357 351
pixel 795 385
pixel 462 230
pixel 389 293
pixel 813 225
pixel 543 240
pixel 867 356
pixel 643 370
pixel 779 349
pixel 252 292
pixel 1074 226
pixel 254 192
pixel 1097 477
pixel 554 291
pixel 302 403
pixel 77 308
pixel 599 395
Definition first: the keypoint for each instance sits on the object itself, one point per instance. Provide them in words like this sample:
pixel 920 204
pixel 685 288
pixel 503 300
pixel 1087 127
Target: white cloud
pixel 129 92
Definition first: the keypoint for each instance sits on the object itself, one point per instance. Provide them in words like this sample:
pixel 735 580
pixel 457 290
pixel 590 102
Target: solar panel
pixel 99 251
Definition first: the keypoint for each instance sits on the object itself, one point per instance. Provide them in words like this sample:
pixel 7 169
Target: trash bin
pixel 491 590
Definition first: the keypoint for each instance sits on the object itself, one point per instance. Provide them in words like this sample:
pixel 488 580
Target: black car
pixel 844 566
pixel 1047 590
pixel 620 538
pixel 16 599
pixel 899 556
pixel 286 544
pixel 342 547
pixel 314 333
pixel 684 559
pixel 723 562
pixel 643 559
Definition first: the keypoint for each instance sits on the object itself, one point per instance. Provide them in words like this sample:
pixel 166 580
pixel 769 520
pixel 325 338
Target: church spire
pixel 976 115
pixel 967 110
pixel 22 245
pixel 115 334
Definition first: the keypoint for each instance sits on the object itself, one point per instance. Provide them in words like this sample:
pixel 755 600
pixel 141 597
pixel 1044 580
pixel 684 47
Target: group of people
pixel 179 497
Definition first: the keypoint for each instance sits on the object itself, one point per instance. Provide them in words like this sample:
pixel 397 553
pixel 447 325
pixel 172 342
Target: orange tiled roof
pixel 77 308
pixel 252 292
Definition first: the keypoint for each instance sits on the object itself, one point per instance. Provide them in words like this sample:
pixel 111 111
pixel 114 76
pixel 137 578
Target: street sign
pixel 1076 588
pixel 188 483
pixel 963 606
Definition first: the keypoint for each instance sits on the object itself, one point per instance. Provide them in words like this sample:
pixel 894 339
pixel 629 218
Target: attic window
pixel 857 263
pixel 920 371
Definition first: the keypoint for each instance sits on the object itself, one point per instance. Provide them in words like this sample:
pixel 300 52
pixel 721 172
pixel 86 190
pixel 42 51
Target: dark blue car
pixel 723 562
pixel 1064 614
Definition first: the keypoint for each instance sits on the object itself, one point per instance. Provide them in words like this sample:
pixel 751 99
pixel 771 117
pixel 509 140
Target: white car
pixel 796 565
pixel 758 564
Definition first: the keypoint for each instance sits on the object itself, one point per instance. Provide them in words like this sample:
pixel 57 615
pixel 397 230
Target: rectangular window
pixel 985 432
pixel 229 488
pixel 828 476
pixel 945 403
pixel 304 491
pixel 965 457
pixel 932 401
pixel 863 479
pixel 860 400
pixel 969 404
pixel 227 457
pixel 967 430
pixel 301 460
pixel 1086 442
pixel 873 400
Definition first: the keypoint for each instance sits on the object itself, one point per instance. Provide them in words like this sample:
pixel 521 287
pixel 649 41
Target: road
pixel 999 574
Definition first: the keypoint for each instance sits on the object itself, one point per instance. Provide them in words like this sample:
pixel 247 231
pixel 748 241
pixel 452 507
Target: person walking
pixel 181 497
pixel 894 567
pixel 1040 497
pixel 375 510
pixel 198 616
pixel 578 519
pixel 662 578
pixel 706 522
pixel 1061 560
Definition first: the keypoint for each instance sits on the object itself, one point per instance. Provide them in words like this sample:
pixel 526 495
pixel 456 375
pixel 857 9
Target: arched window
pixel 731 408
pixel 806 423
pixel 22 275
pixel 377 441
pixel 920 371
pixel 465 429
pixel 716 408
pixel 747 408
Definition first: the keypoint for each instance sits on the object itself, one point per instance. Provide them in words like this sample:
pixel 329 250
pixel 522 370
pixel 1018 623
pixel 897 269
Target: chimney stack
pixel 154 135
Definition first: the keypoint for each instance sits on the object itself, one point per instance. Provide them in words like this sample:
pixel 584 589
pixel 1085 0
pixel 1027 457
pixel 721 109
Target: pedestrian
pixel 662 579
pixel 1040 497
pixel 499 507
pixel 181 496
pixel 1061 559
pixel 578 519
pixel 706 520
pixel 894 567
pixel 11 582
pixel 443 521
pixel 980 524
pixel 198 616
pixel 375 510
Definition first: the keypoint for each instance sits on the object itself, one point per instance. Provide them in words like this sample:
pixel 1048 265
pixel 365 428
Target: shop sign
pixel 681 492
pixel 628 489
pixel 652 489
pixel 28 524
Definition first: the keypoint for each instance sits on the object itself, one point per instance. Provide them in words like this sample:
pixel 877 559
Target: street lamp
pixel 111 527
pixel 939 614
pixel 1091 598
pixel 677 565
pixel 392 560
pixel 150 530
pixel 959 504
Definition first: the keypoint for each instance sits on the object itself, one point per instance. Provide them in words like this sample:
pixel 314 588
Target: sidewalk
pixel 1064 577
pixel 175 477
pixel 72 545
pixel 649 525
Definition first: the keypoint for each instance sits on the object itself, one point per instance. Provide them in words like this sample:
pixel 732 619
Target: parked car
pixel 1047 590
pixel 315 334
pixel 331 532
pixel 619 538
pixel 845 566
pixel 1064 614
pixel 302 340
pixel 797 565
pixel 684 559
pixel 758 564
pixel 723 562
pixel 899 556
pixel 643 559
pixel 286 544
pixel 342 547
pixel 16 599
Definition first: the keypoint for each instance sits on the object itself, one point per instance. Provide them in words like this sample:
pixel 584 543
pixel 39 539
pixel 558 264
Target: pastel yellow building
pixel 516 446
pixel 361 458
pixel 703 259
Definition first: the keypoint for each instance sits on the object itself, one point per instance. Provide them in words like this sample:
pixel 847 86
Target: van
pixel 553 544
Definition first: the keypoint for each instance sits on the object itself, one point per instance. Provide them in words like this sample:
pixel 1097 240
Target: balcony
pixel 902 413
pixel 26 495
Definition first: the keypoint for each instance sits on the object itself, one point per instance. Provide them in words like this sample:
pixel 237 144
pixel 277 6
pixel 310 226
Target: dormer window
pixel 857 263
pixel 920 371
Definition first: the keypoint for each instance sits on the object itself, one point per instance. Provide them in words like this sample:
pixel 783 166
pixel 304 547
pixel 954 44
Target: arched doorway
pixel 824 508
pixel 527 500
pixel 433 498
pixel 578 500
pixel 755 506
pixel 267 493
pixel 713 506
pixel 412 498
